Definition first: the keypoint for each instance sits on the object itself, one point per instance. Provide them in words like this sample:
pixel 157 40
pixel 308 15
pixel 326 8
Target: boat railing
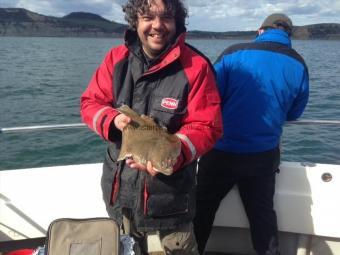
pixel 40 128
pixel 82 125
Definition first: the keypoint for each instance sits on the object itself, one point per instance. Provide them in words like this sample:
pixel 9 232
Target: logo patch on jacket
pixel 169 103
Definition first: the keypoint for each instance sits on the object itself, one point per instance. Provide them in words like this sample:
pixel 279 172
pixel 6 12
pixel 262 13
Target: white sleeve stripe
pixel 96 117
pixel 190 144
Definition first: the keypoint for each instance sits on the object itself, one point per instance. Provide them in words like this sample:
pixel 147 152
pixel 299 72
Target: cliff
pixel 22 22
pixel 317 31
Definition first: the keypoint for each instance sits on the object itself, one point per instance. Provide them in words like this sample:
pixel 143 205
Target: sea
pixel 41 80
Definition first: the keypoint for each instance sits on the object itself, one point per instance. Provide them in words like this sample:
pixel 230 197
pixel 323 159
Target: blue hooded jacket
pixel 262 84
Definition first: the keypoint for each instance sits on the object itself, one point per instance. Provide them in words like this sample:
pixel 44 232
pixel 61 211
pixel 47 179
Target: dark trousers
pixel 254 174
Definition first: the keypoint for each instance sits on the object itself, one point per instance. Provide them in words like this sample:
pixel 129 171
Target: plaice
pixel 144 140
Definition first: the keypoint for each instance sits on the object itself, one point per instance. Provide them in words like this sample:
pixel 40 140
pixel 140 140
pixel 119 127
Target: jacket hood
pixel 275 35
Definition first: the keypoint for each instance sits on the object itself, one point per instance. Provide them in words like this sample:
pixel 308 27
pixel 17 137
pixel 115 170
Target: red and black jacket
pixel 179 91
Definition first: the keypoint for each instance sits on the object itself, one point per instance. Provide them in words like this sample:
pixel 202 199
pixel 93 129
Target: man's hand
pixel 121 120
pixel 148 168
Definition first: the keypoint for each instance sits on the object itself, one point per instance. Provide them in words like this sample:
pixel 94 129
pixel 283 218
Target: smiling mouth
pixel 157 36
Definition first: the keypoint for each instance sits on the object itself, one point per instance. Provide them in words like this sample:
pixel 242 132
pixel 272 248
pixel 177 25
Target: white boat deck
pixel 31 198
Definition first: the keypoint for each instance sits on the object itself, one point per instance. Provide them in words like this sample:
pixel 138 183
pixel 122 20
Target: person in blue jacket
pixel 262 84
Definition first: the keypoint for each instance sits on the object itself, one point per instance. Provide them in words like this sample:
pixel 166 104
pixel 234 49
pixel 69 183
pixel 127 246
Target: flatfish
pixel 144 140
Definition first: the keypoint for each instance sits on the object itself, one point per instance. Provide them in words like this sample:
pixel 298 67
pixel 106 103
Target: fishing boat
pixel 306 203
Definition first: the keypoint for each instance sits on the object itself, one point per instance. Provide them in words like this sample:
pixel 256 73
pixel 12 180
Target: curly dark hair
pixel 176 7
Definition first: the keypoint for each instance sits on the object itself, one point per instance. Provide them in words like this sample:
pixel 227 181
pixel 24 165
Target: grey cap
pixel 277 20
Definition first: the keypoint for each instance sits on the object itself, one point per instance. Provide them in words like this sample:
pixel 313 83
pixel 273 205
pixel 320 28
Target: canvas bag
pixel 93 236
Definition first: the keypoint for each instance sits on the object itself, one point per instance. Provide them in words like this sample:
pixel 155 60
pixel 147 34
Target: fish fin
pixel 125 109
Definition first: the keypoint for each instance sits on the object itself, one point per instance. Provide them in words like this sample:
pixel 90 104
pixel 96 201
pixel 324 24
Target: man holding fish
pixel 155 86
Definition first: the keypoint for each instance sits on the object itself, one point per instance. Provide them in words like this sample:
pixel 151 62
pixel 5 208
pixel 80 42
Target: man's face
pixel 155 28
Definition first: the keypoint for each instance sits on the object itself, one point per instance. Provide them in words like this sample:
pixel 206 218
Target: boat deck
pixel 311 189
pixel 33 243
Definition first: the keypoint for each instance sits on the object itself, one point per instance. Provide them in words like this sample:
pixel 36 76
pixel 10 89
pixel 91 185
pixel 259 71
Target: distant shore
pixel 22 22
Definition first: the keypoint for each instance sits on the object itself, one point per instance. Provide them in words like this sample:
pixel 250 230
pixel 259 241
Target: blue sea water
pixel 41 80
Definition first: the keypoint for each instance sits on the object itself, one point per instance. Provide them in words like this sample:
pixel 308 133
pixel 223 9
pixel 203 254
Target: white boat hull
pixel 31 198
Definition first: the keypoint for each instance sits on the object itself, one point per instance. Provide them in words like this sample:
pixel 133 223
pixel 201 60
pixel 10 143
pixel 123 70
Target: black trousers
pixel 254 174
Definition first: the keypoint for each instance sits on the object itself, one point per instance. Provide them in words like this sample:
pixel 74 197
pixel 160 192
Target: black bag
pixel 93 236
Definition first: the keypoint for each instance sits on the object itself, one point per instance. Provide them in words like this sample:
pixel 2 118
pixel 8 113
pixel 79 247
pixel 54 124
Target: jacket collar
pixel 275 35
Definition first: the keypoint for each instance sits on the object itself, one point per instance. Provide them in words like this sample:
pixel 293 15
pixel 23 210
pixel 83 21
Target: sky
pixel 205 15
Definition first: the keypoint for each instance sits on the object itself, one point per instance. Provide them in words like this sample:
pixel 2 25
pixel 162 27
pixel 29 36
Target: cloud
pixel 221 15
pixel 213 15
pixel 8 3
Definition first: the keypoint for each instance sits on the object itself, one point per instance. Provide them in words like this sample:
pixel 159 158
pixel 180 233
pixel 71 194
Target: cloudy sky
pixel 208 15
